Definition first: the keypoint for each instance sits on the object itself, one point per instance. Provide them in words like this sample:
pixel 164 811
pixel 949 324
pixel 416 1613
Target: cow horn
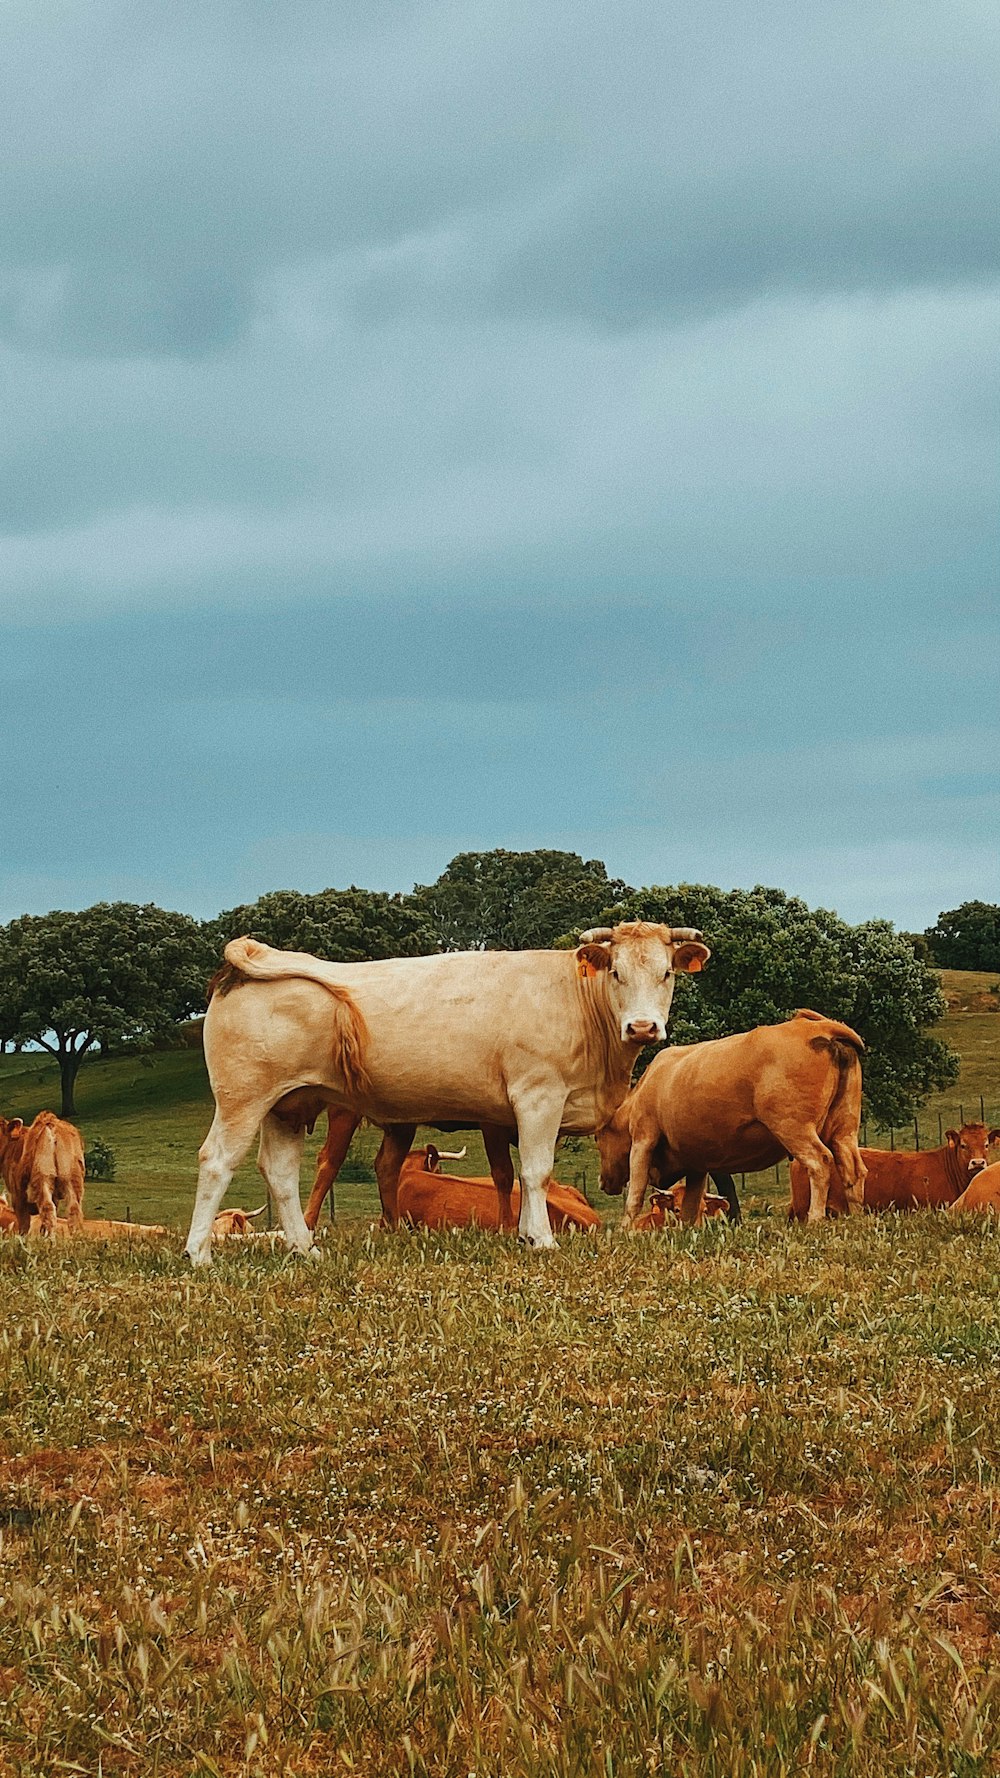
pixel 597 935
pixel 685 934
pixel 259 1212
pixel 453 1154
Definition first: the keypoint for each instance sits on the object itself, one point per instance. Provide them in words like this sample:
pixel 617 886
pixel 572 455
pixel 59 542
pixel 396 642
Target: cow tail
pixel 840 1129
pixel 246 960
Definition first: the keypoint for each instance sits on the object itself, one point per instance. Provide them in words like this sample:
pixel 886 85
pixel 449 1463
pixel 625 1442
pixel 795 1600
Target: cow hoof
pixel 538 1243
pixel 198 1260
pixel 313 1254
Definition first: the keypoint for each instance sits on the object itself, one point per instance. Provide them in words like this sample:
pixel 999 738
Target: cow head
pixel 639 962
pixel 969 1146
pixel 614 1147
pixel 10 1129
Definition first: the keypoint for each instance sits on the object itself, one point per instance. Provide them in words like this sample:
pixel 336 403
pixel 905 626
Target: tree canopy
pixel 73 982
pixel 342 925
pixel 771 953
pixel 515 901
pixel 967 937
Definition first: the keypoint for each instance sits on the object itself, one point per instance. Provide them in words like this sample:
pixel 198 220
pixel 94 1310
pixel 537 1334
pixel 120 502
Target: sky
pixel 431 425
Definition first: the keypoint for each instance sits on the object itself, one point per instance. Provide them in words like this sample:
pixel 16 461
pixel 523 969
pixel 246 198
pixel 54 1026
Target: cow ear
pixel 690 957
pixel 433 1160
pixel 951 1137
pixel 991 1137
pixel 15 1126
pixel 592 958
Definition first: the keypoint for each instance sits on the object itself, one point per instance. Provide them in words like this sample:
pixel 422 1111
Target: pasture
pixel 721 1503
pixel 724 1502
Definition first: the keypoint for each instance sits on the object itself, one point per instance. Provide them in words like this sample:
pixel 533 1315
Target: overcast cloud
pixel 443 425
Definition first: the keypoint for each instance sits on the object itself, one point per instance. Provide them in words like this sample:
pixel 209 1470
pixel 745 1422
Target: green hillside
pixel 154 1111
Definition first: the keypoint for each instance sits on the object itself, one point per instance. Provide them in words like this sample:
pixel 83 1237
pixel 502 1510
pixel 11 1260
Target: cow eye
pixel 615 976
pixel 668 975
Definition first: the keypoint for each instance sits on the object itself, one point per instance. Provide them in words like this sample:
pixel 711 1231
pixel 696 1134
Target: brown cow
pixel 983 1193
pixel 907 1179
pixel 230 1225
pixel 428 1198
pixel 742 1102
pixel 42 1164
pixel 665 1208
pixel 88 1229
pixel 340 1133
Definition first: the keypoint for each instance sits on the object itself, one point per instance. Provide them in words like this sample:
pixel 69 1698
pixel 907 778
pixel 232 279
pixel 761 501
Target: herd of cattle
pixel 529 1046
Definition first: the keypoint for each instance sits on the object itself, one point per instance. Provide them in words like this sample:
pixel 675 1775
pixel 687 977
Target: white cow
pixel 539 1042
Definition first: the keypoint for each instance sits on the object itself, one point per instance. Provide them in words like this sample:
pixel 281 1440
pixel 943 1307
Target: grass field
pixel 155 1110
pixel 715 1504
pixel 721 1504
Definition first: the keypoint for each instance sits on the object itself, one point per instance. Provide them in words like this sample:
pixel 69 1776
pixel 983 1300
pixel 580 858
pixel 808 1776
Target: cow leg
pixel 497 1143
pixel 692 1205
pixel 45 1202
pixel 537 1134
pixel 280 1161
pixel 725 1185
pixel 341 1126
pixel 852 1170
pixel 818 1163
pixel 74 1196
pixel 218 1158
pixel 639 1161
pixel 397 1140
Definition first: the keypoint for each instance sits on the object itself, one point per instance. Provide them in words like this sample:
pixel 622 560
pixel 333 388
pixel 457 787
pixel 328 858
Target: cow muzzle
pixel 644 1031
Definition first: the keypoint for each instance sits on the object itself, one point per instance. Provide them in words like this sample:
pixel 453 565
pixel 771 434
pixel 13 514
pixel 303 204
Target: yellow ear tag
pixel 585 968
pixel 694 966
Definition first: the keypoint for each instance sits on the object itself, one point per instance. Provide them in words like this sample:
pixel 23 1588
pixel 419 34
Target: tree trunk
pixel 69 1067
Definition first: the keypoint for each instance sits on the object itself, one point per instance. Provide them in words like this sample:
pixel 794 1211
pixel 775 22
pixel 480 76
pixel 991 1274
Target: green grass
pixel 155 1111
pixel 719 1504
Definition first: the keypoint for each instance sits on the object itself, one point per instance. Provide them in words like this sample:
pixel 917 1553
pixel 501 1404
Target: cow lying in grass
pixel 665 1209
pixel 982 1195
pixel 906 1179
pixel 742 1103
pixel 428 1198
pixel 42 1166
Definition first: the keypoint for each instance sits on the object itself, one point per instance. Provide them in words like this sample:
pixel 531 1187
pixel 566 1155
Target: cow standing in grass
pixel 42 1165
pixel 742 1102
pixel 533 1041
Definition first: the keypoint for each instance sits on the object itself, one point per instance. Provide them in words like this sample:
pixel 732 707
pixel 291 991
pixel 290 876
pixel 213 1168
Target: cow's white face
pixel 640 963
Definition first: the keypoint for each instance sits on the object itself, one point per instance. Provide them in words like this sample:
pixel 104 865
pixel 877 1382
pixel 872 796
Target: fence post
pixel 864 1134
pixel 940 1131
pixel 916 1135
pixel 892 1140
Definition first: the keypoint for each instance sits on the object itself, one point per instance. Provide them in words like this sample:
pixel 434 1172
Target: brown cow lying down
pixel 297 1108
pixel 982 1194
pixel 665 1208
pixel 232 1225
pixel 907 1180
pixel 430 1199
pixel 42 1166
pixel 98 1229
pixel 742 1103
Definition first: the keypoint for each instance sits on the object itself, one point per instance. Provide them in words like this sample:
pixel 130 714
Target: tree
pixel 342 925
pixel 75 982
pixel 771 954
pixel 515 901
pixel 967 937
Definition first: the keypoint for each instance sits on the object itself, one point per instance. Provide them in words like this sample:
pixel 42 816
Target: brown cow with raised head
pixel 42 1164
pixel 983 1194
pixel 428 1198
pixel 907 1179
pixel 742 1103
